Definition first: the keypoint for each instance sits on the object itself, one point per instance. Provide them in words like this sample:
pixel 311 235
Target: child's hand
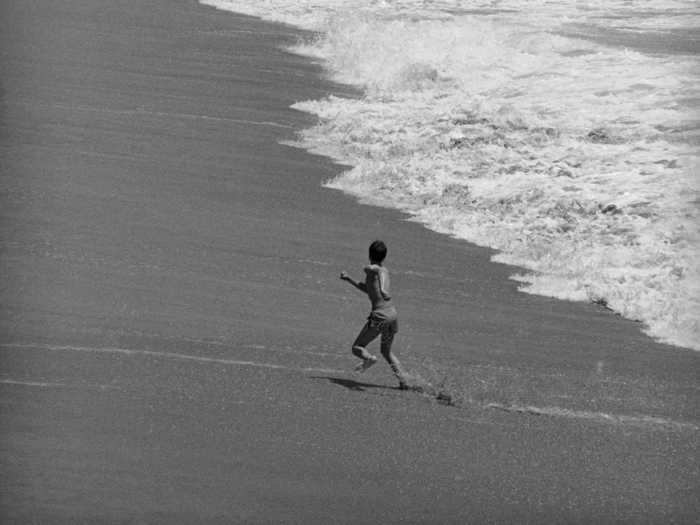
pixel 344 276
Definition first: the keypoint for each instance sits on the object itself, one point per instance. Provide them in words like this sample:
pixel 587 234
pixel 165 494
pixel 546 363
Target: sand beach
pixel 175 341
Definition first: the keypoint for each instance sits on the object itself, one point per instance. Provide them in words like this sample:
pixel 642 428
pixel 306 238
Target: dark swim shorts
pixel 385 325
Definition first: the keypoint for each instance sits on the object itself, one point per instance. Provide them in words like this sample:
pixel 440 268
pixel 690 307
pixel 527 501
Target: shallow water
pixel 565 136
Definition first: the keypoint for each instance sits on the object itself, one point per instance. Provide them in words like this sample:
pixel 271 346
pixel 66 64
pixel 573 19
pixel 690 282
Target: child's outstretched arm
pixel 360 286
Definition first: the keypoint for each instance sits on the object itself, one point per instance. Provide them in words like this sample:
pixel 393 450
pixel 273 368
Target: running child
pixel 382 319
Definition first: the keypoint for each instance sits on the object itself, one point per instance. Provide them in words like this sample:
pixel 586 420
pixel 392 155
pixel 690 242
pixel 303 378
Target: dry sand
pixel 174 343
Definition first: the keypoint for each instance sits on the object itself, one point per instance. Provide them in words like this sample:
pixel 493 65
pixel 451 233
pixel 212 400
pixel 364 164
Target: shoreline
pixel 482 193
pixel 175 339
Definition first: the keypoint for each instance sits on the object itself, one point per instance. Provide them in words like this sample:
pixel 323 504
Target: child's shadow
pixel 354 385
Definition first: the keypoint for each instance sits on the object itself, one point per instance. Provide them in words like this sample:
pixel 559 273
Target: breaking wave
pixel 539 129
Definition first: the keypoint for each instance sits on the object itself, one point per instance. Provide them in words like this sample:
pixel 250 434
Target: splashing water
pixel 565 136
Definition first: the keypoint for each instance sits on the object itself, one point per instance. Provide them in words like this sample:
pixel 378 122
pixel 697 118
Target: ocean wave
pixel 575 159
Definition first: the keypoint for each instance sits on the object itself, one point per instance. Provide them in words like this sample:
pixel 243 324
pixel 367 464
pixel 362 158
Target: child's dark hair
pixel 377 251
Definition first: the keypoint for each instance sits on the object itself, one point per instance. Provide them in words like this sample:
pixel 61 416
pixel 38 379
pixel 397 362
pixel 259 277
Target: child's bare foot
pixel 365 364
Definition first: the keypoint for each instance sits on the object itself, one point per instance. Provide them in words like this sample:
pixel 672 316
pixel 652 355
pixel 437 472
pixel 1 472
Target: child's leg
pixel 365 337
pixel 387 340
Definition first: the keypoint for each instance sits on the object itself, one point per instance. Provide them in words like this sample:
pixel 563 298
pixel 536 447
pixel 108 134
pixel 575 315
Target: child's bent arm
pixel 360 286
pixel 384 286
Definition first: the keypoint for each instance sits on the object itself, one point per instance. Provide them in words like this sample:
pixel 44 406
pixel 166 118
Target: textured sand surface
pixel 174 343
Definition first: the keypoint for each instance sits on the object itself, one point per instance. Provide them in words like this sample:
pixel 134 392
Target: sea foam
pixel 527 129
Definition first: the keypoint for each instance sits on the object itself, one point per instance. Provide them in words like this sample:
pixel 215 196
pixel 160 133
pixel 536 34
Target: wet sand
pixel 174 342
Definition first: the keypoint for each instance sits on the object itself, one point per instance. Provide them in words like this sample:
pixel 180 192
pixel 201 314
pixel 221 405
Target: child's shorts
pixel 385 325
